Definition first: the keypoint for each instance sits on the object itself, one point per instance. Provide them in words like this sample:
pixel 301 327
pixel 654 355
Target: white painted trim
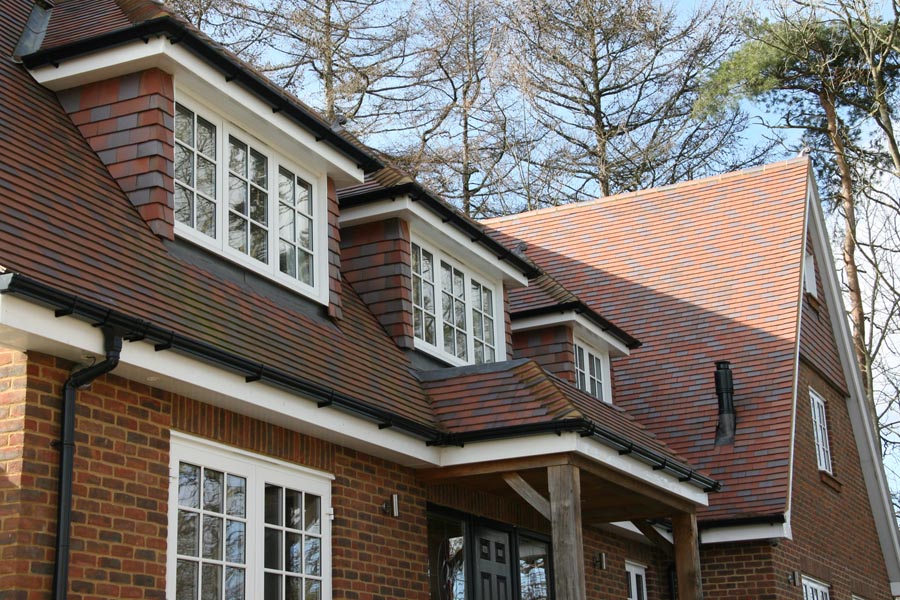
pixel 27 326
pixel 583 327
pixel 863 429
pixel 231 99
pixel 427 225
pixel 540 445
pixel 743 533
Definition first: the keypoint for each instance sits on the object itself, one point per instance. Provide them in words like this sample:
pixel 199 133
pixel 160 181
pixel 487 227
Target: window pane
pixel 206 138
pixel 286 223
pixel 259 166
pixel 237 159
pixel 212 538
pixel 294 589
pixel 427 266
pixel 237 496
pixel 235 542
pixel 258 205
pixel 287 259
pixel 534 569
pixel 206 177
pixel 273 548
pixel 313 590
pixel 186 580
pixel 273 505
pixel 212 490
pixel 237 232
pixel 188 485
pixel 259 243
pixel 183 205
pixel 184 165
pixel 312 556
pixel 447 558
pixel 184 125
pixel 293 558
pixel 206 217
pixel 188 533
pixel 212 582
pixel 237 195
pixel 293 509
pixel 430 333
pixel 272 589
pixel 313 513
pixel 234 584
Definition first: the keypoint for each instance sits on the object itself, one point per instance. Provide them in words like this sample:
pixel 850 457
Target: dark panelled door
pixel 493 580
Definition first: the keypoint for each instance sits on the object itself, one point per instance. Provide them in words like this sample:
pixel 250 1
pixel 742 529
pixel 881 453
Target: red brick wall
pixel 835 539
pixel 552 347
pixel 376 261
pixel 128 121
pixel 817 342
pixel 743 571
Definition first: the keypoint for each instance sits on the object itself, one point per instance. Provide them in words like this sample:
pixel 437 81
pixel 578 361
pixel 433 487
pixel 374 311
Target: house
pixel 242 357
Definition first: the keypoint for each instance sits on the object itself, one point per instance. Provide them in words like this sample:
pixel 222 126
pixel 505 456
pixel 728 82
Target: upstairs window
pixel 453 310
pixel 820 431
pixel 240 197
pixel 809 275
pixel 592 372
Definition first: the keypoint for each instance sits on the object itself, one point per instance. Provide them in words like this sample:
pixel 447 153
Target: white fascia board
pixel 583 327
pixel 27 326
pixel 745 533
pixel 867 444
pixel 551 443
pixel 230 99
pixel 429 226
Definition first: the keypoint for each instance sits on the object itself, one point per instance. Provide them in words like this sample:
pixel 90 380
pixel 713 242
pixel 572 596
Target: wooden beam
pixel 654 536
pixel 443 474
pixel 564 482
pixel 531 495
pixel 629 482
pixel 687 556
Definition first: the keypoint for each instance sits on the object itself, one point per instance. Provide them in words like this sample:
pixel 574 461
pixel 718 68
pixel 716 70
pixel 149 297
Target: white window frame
pixel 469 275
pixel 809 275
pixel 258 471
pixel 820 431
pixel 813 589
pixel 583 374
pixel 636 588
pixel 277 158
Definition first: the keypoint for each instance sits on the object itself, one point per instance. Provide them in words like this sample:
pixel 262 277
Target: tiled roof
pixel 64 222
pixel 702 271
pixel 519 393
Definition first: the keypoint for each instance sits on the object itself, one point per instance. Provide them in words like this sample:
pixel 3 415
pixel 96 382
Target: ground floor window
pixel 243 526
pixel 815 590
pixel 635 581
pixel 476 559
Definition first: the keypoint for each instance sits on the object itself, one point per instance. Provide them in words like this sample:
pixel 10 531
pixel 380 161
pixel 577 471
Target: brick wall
pixel 817 342
pixel 552 347
pixel 835 539
pixel 742 571
pixel 376 261
pixel 128 121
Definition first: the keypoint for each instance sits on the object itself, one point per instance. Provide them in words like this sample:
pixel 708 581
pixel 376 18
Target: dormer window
pixel 453 309
pixel 240 197
pixel 592 372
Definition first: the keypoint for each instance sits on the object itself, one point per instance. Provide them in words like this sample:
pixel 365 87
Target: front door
pixel 493 579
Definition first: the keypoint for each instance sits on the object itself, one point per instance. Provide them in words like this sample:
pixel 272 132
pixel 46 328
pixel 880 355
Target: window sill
pixel 830 481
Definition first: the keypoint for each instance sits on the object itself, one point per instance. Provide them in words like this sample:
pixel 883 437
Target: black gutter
pixel 134 330
pixel 587 428
pixel 113 345
pixel 448 214
pixel 233 70
pixel 583 309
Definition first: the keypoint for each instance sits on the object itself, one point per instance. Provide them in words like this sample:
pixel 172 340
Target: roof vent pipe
pixel 725 394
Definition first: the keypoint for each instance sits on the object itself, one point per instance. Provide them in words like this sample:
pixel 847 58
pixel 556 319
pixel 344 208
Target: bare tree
pixel 615 84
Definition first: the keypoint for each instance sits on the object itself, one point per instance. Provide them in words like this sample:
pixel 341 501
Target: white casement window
pixel 592 372
pixel 454 310
pixel 815 590
pixel 243 526
pixel 635 581
pixel 820 431
pixel 809 275
pixel 237 196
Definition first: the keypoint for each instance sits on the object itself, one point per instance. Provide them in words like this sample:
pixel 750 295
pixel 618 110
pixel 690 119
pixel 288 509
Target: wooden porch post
pixel 568 545
pixel 687 556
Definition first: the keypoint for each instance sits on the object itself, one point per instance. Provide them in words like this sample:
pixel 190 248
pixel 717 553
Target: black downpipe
pixel 112 342
pixel 725 394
